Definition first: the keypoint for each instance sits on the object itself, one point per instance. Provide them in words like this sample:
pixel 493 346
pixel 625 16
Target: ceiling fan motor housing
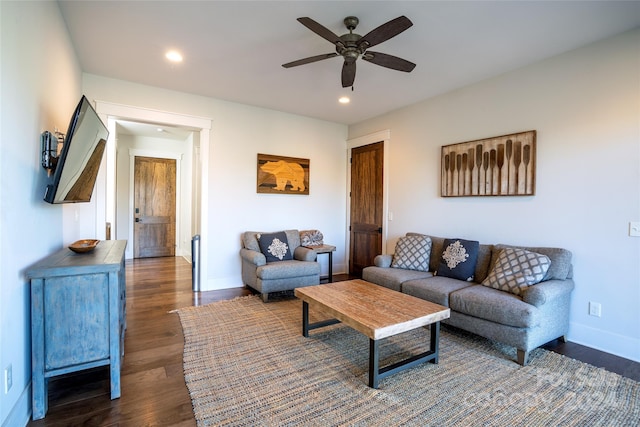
pixel 349 48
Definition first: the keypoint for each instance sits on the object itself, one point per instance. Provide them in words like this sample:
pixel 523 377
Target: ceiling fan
pixel 351 46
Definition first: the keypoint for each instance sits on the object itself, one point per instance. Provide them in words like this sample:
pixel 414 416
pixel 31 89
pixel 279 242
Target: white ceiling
pixel 125 127
pixel 233 50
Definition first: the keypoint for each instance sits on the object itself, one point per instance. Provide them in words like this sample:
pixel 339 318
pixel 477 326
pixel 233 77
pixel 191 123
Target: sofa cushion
pixel 435 289
pixel 515 269
pixel 458 259
pixel 293 236
pixel 391 278
pixel 287 269
pixel 494 305
pixel 275 246
pixel 412 253
pixel 250 240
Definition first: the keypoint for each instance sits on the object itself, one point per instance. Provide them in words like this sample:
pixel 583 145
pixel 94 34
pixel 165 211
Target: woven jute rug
pixel 247 364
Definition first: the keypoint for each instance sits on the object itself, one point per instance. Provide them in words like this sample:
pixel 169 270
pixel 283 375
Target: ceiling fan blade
pixel 309 60
pixel 320 30
pixel 348 73
pixel 385 31
pixel 389 61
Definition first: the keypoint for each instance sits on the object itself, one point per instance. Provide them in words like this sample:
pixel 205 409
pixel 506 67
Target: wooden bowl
pixel 82 246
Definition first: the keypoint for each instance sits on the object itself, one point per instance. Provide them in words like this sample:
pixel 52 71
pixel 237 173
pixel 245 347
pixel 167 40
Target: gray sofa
pixel 270 277
pixel 539 315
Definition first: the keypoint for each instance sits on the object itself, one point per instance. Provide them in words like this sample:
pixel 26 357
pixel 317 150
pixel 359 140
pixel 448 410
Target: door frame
pixel 109 113
pixel 383 136
pixel 135 152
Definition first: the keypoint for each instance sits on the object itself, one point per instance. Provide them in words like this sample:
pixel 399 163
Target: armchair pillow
pixel 412 253
pixel 275 246
pixel 515 269
pixel 458 259
pixel 311 238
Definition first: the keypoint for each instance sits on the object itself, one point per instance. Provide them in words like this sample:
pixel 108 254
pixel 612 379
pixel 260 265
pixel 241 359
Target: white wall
pixel 34 98
pixel 585 106
pixel 238 134
pixel 130 146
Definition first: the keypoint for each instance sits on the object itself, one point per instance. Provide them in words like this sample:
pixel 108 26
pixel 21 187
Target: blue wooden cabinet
pixel 78 316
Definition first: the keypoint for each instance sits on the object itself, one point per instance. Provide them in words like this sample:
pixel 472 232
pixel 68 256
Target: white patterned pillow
pixel 311 238
pixel 515 269
pixel 412 253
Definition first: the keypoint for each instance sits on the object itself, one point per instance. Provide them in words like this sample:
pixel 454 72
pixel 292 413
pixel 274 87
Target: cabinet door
pixel 76 320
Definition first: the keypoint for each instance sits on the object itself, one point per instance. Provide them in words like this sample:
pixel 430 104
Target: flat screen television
pixel 75 174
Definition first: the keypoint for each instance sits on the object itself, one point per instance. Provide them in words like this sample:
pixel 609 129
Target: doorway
pixel 201 126
pixel 367 223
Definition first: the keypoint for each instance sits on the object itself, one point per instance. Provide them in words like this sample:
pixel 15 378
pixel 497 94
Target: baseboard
pixel 619 345
pixel 21 412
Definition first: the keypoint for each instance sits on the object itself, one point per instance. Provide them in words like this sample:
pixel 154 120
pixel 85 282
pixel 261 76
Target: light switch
pixel 634 229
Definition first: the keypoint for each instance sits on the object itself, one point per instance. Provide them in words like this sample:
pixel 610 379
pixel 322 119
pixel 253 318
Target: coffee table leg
pixel 435 339
pixel 376 374
pixel 305 319
pixel 306 326
pixel 374 363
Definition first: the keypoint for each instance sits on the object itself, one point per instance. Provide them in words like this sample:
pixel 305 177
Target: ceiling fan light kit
pixel 352 46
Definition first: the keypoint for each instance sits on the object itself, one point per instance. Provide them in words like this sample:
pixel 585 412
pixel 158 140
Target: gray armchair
pixel 268 277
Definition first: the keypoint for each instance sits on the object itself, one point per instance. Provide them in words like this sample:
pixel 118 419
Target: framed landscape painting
pixel 282 175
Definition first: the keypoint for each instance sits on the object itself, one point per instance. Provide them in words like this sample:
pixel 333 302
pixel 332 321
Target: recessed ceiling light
pixel 173 56
pixel 160 130
pixel 344 100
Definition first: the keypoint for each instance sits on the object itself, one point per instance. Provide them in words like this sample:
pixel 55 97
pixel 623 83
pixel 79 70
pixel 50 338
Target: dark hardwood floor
pixel 153 388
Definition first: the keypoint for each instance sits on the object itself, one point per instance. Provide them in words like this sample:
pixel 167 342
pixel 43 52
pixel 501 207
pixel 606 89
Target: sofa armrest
pixel 547 291
pixel 253 257
pixel 304 254
pixel 383 261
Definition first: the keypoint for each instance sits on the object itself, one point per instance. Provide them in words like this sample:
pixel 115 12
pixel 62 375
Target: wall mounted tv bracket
pixel 49 143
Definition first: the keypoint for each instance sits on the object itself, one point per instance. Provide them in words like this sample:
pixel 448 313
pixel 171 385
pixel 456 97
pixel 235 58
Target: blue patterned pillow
pixel 412 253
pixel 458 259
pixel 275 246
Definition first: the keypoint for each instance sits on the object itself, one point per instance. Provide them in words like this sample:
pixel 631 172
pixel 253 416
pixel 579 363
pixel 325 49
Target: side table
pixel 325 249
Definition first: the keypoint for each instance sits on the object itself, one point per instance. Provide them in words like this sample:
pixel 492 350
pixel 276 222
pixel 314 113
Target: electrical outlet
pixel 8 379
pixel 634 229
pixel 595 309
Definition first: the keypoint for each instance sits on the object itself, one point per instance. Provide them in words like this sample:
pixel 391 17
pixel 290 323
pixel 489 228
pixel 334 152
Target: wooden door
pixel 154 207
pixel 366 206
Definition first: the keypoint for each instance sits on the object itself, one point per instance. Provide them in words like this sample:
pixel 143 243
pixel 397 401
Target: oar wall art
pixel 497 166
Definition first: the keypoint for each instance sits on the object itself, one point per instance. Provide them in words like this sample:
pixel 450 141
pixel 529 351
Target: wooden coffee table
pixel 376 312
